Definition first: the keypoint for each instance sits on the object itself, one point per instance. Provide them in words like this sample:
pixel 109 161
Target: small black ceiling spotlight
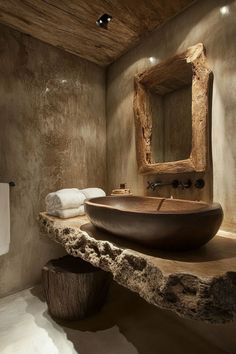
pixel 103 21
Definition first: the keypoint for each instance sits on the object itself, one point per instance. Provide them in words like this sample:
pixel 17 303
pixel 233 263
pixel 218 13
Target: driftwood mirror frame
pixel 189 67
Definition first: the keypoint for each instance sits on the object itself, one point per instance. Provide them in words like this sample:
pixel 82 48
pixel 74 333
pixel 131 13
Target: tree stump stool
pixel 74 288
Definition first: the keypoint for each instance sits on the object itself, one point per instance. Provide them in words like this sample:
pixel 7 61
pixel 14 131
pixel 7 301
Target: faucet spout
pixel 158 184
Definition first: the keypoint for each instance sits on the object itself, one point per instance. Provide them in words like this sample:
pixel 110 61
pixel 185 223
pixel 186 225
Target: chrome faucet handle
pixel 175 183
pixel 200 183
pixel 149 185
pixel 186 185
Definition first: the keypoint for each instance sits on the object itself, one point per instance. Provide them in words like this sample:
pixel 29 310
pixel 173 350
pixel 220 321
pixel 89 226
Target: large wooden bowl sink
pixel 170 224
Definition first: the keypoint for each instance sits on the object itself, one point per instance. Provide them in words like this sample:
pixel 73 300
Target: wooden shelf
pixel 199 284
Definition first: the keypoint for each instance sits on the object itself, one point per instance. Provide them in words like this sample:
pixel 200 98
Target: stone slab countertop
pixel 200 284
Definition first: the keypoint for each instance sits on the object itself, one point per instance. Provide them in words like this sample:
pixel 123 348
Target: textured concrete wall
pixel 52 135
pixel 213 23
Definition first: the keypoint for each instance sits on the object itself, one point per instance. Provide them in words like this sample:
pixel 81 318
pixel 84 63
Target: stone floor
pixel 125 325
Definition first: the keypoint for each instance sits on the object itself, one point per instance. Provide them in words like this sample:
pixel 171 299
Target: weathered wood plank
pixel 70 24
pixel 189 67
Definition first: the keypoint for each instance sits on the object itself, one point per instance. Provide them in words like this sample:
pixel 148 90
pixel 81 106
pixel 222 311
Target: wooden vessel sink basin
pixel 170 224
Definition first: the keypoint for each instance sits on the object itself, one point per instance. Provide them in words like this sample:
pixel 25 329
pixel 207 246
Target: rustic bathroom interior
pixel 117 177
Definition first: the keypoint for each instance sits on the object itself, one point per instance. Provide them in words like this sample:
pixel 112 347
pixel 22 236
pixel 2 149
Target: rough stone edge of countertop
pixel 210 299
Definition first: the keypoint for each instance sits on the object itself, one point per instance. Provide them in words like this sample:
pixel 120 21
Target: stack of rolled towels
pixel 68 203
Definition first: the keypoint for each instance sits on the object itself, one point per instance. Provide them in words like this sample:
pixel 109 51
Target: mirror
pixel 171 125
pixel 171 114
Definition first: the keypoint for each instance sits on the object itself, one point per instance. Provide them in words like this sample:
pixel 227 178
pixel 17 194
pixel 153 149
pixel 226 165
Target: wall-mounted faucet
pixel 200 183
pixel 155 185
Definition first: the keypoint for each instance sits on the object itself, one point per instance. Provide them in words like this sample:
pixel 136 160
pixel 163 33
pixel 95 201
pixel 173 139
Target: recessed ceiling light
pixel 103 21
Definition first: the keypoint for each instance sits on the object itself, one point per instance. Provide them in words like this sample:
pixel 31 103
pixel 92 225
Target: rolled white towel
pixel 93 192
pixel 67 213
pixel 64 199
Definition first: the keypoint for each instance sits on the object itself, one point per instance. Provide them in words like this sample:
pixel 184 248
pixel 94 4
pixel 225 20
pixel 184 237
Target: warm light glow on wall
pixel 224 10
pixel 152 60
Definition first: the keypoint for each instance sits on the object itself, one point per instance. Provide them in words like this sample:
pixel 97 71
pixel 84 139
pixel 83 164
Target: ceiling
pixel 70 24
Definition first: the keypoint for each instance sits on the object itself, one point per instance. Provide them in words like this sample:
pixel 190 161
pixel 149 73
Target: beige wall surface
pixel 52 135
pixel 211 22
pixel 53 126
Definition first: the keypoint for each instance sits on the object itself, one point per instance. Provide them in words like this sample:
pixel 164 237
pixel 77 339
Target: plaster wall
pixel 211 22
pixel 53 125
pixel 52 135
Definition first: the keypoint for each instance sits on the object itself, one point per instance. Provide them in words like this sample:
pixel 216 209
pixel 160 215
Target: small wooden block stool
pixel 73 287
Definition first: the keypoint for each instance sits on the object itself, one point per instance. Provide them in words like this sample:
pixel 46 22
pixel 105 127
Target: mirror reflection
pixel 171 124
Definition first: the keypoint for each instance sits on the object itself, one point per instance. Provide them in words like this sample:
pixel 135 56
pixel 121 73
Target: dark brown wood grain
pixel 70 24
pixel 184 69
pixel 73 288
